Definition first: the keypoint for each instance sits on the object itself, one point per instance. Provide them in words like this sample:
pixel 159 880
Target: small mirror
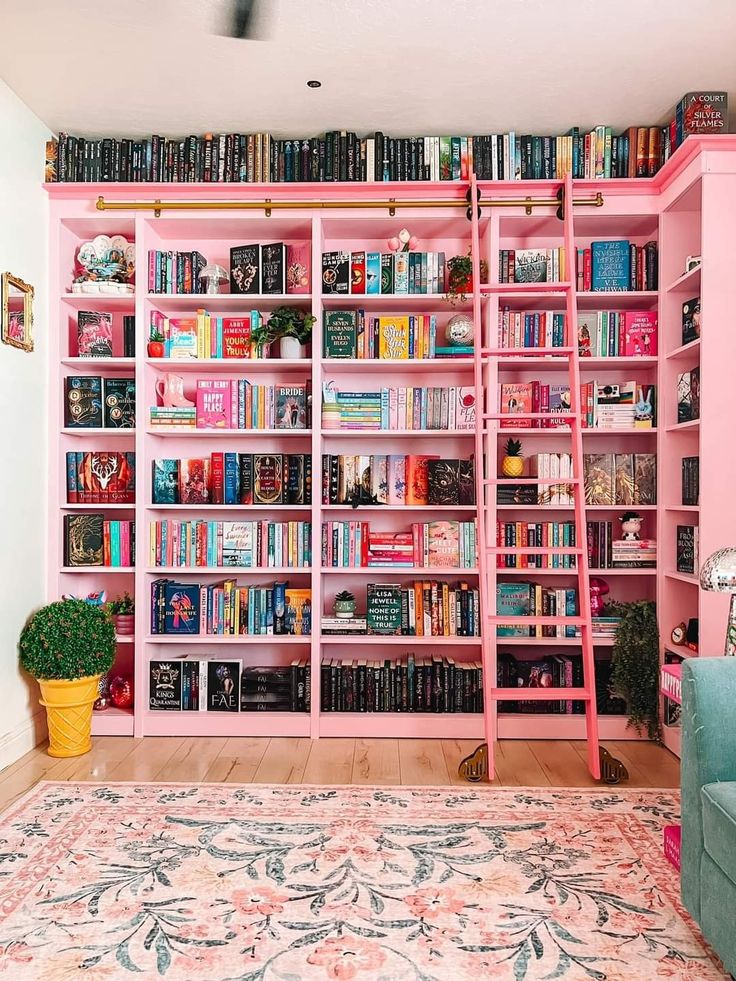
pixel 17 312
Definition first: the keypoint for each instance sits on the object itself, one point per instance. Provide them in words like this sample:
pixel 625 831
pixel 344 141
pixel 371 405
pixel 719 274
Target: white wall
pixel 23 436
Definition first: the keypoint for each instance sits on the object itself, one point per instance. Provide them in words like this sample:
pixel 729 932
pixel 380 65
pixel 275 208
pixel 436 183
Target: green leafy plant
pixel 290 322
pixel 345 596
pixel 67 640
pixel 122 606
pixel 460 277
pixel 156 335
pixel 635 660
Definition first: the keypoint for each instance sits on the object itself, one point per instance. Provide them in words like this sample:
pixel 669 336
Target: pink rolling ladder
pixel 486 434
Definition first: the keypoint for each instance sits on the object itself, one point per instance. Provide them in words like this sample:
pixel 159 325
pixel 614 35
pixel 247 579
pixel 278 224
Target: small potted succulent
pixel 460 277
pixel 344 605
pixel 292 328
pixel 122 611
pixel 156 344
pixel 67 646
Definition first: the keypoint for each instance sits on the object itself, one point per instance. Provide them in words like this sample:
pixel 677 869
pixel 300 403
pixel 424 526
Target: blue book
pixel 610 266
pixel 373 272
pixel 165 481
pixel 181 608
pixel 232 479
pixel 570 611
pixel 513 599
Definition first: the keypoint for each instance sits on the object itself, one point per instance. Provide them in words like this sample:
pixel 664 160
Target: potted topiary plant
pixel 460 277
pixel 635 659
pixel 122 611
pixel 344 605
pixel 292 328
pixel 67 646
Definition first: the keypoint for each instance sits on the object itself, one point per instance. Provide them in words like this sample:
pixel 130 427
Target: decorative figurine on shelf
pixel 631 522
pixel 121 692
pixel 403 242
pixel 105 265
pixel 103 700
pixel 643 409
pixel 512 465
pixel 459 330
pixel 93 599
pixel 598 589
pixel 170 389
pixel 212 275
pixel 344 605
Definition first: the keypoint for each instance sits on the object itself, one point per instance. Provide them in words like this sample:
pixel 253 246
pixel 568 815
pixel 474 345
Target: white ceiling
pixel 402 66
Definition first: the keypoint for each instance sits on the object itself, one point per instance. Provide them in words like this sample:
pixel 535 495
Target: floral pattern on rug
pixel 255 883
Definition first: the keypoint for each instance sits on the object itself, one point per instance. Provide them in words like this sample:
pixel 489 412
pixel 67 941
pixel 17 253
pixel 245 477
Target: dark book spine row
pixel 556 671
pixel 691 481
pixel 175 272
pixel 128 336
pixel 527 534
pixel 426 684
pixel 275 479
pixel 599 543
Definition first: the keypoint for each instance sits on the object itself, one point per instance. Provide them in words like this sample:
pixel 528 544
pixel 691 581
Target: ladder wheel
pixel 474 768
pixel 469 214
pixel 561 198
pixel 469 194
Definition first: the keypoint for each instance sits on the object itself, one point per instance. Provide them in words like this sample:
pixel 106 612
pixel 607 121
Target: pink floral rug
pixel 226 882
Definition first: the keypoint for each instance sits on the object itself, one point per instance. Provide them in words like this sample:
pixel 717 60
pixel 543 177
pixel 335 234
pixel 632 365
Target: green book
pixel 387 272
pixel 445 159
pixel 340 334
pixel 383 613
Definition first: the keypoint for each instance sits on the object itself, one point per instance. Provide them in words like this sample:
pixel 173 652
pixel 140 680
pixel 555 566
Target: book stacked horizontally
pixel 641 554
pixel 184 416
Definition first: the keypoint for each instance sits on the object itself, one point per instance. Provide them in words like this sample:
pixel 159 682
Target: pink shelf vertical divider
pixel 316 645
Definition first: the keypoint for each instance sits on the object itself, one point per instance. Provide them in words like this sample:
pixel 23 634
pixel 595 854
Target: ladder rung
pixel 560 481
pixel 526 352
pixel 542 550
pixel 543 621
pixel 521 416
pixel 539 694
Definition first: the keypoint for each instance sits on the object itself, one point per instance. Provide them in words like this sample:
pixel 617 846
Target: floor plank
pixel 192 759
pixel 517 766
pixel 106 752
pixel 38 767
pixel 284 760
pixel 561 764
pixel 238 761
pixel 376 761
pixel 330 762
pixel 455 751
pixel 422 762
pixel 659 767
pixel 147 759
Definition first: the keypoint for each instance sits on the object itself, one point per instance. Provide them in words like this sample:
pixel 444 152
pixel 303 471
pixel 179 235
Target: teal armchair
pixel 708 851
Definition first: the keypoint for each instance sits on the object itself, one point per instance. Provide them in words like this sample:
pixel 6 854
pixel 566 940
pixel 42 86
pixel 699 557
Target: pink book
pixel 213 405
pixel 444 544
pixel 671 840
pixel 640 333
pixel 298 267
pixel 397 479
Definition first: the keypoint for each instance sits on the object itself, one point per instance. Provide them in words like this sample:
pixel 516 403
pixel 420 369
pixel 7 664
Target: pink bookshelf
pixel 689 207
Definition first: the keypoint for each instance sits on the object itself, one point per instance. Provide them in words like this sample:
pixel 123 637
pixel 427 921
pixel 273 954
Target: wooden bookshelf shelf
pixel 97 507
pixel 331 366
pixel 112 300
pixel 232 366
pixel 225 508
pixel 689 282
pixel 683 577
pixel 217 302
pixel 424 302
pixel 98 570
pixel 113 722
pixel 192 432
pixel 100 364
pixel 624 300
pixel 533 573
pixel 401 508
pixel 688 351
pixel 691 508
pixel 226 570
pixel 99 431
pixel 684 427
pixel 372 640
pixel 431 571
pixel 217 639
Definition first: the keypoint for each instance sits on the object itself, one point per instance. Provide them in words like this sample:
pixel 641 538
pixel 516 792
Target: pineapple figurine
pixel 512 464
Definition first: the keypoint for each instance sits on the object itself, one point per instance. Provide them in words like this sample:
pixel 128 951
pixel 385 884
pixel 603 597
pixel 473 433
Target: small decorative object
pixel 94 599
pixel 512 464
pixel 156 347
pixel 635 661
pixel 122 611
pixel 292 328
pixel 598 589
pixel 459 330
pixel 170 389
pixel 403 242
pixel 692 262
pixel 679 633
pixel 103 694
pixel 105 265
pixel 212 275
pixel 631 522
pixel 718 575
pixel 16 312
pixel 475 767
pixel 121 692
pixel 67 646
pixel 344 605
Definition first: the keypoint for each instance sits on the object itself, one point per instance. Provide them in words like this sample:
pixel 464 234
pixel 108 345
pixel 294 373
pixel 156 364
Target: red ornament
pixel 121 692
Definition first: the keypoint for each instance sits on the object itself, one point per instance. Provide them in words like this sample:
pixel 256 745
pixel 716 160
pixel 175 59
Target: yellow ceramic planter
pixel 69 713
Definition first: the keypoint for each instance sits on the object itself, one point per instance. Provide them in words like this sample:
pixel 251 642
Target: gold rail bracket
pixel 474 768
pixel 392 210
pixel 157 209
pixel 613 771
pixel 268 207
pixel 528 206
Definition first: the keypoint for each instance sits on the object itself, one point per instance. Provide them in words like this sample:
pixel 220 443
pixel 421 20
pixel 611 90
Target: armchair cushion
pixel 719 825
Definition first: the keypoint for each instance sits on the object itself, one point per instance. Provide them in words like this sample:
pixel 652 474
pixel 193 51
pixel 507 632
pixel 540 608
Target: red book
pixel 640 333
pixel 357 272
pixel 417 480
pixel 587 269
pixel 298 267
pixel 217 465
pixel 236 337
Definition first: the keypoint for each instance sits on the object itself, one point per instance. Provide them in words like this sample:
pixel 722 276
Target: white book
pixel 512 174
pixel 202 686
pixel 494 157
pixel 506 170
pixel 370 158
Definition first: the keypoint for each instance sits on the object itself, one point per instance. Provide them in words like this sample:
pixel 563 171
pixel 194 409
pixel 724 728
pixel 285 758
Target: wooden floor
pixel 331 761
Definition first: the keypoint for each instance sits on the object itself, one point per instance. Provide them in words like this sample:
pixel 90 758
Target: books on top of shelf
pixel 688 395
pixel 93 402
pixel 246 544
pixel 100 477
pixel 175 272
pixel 405 684
pixel 531 265
pixel 422 408
pixel 620 478
pixel 234 478
pixel 690 481
pixel 90 539
pixel 700 112
pixel 532 328
pixel 424 608
pixel 636 554
pixel 383 610
pixel 532 534
pixel 522 599
pixel 555 671
pixel 617 266
pixel 227 609
pixel 397 479
pixel 347 334
pixel 215 685
pixel 691 320
pixel 393 273
pixel 687 558
pixel 440 544
pixel 550 466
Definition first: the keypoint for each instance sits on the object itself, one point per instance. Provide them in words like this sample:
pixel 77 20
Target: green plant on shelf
pixel 122 606
pixel 635 660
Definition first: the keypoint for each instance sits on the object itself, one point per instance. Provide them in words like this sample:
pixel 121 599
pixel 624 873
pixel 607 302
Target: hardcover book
pixel 397 479
pixel 340 333
pixel 181 608
pixel 383 611
pixel 640 333
pixel 237 544
pixel 598 471
pixel 387 272
pixel 684 397
pixel 194 481
pixel 298 267
pixel 512 599
pixel 610 266
pixel 559 405
pixel 691 320
pixel 273 268
pixel 393 338
pixel 687 549
pixel 695 393
pixel 530 266
pixel 645 478
pixel 94 334
pixel 223 686
pixel 245 269
pixel 165 481
pixel 702 112
pixel 268 479
pixel 373 272
pixel 417 479
pixel 182 338
pixel 119 404
pixel 83 539
pixel 213 404
pixel 443 482
pixel 298 612
pixel 336 272
pixel 357 272
pixel 464 408
pixel 83 401
pixel 236 337
pixel 164 686
pixel 624 478
pixel 587 334
pixel 466 476
pixel 291 406
pixel 516 399
pixel 444 544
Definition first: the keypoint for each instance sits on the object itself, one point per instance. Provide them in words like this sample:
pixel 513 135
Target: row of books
pixel 229 609
pixel 413 480
pixel 532 265
pixel 207 336
pixel 176 272
pixel 95 335
pixel 613 333
pixel 421 408
pixel 530 534
pixel 272 479
pixel 89 539
pixel 549 466
pixel 442 544
pixel 391 273
pixel 238 404
pixel 420 609
pixel 531 599
pixel 246 544
pixel 347 334
pixel 608 406
pixel 100 477
pixel 184 685
pixel 620 478
pixel 93 402
pixel 617 265
pixel 687 556
pixel 273 268
pixel 688 395
pixel 406 684
pixel 555 671
pixel 690 481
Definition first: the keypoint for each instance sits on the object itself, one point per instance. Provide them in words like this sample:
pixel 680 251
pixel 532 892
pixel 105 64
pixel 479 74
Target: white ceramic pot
pixel 290 349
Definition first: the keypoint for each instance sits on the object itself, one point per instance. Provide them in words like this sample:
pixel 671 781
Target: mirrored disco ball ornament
pixel 459 330
pixel 103 694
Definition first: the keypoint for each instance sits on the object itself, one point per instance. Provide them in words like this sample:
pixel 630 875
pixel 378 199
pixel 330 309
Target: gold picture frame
pixel 16 325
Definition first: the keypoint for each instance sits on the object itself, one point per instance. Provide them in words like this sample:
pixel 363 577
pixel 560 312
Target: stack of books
pixel 605 626
pixel 207 336
pixel 227 686
pixel 614 333
pixel 174 417
pixel 531 265
pixel 640 554
pixel 246 544
pixel 406 408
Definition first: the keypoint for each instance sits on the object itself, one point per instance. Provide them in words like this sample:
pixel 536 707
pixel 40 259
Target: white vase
pixel 290 349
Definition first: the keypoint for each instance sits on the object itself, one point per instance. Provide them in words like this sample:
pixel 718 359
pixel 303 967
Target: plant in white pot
pixel 293 329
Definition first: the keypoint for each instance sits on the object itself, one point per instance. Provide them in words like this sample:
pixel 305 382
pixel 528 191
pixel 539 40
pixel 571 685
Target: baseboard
pixel 22 739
